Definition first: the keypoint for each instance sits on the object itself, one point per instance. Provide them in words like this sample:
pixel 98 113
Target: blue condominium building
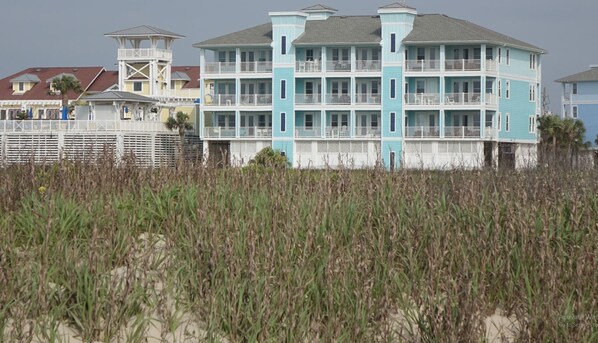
pixel 397 88
pixel 580 100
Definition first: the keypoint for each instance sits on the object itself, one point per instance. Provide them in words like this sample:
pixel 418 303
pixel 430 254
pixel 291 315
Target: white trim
pixel 508 57
pixel 507 122
pixel 285 89
pixel 283 114
pixel 390 117
pixel 390 44
pixel 507 89
pixel 574 111
pixel 287 13
pixel 498 121
pixel 390 91
pixel 519 77
pixel 397 10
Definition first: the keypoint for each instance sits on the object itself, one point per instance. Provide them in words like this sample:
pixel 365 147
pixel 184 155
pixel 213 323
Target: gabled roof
pixel 260 35
pixel 319 8
pixel 60 76
pixel 180 76
pixel 26 78
pixel 191 71
pixel 438 28
pixel 144 31
pixel 338 30
pixel 119 96
pixel 584 76
pixel 105 81
pixel 40 90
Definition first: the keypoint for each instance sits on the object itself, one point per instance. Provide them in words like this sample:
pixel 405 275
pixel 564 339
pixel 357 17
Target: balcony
pixel 308 66
pixel 422 99
pixel 362 132
pixel 422 132
pixel 338 66
pixel 368 66
pixel 219 100
pixel 255 132
pixel 48 126
pixel 143 54
pixel 256 67
pixel 219 68
pixel 462 99
pixel 462 132
pixel 307 132
pixel 338 99
pixel 367 99
pixel 307 99
pixel 462 65
pixel 219 132
pixel 256 99
pixel 422 65
pixel 337 132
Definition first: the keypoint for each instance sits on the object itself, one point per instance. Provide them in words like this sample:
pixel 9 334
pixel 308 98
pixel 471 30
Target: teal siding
pixel 290 26
pixel 519 63
pixel 387 147
pixel 401 25
pixel 520 108
pixel 392 105
pixel 286 146
pixel 283 105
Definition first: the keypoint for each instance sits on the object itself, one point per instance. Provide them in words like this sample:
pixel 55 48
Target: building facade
pixel 399 88
pixel 580 101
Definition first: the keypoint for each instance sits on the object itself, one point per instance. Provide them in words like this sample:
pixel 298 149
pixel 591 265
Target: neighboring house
pixel 580 100
pixel 30 90
pixel 400 88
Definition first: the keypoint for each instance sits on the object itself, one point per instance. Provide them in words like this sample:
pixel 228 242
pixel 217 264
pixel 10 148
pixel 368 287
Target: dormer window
pixel 21 86
pixel 23 83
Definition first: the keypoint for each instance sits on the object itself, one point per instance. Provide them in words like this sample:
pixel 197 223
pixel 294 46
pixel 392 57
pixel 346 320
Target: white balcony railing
pixel 219 68
pixel 422 132
pixel 219 132
pixel 368 65
pixel 463 65
pixel 307 131
pixel 454 99
pixel 362 131
pixel 48 126
pixel 338 66
pixel 422 99
pixel 367 98
pixel 308 66
pixel 491 99
pixel 256 67
pixel 306 99
pixel 462 132
pixel 338 99
pixel 256 99
pixel 133 54
pixel 255 132
pixel 219 100
pixel 337 132
pixel 491 65
pixel 423 65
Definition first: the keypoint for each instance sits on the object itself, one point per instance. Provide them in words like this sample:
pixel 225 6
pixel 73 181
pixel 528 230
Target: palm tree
pixel 572 133
pixel 64 84
pixel 549 127
pixel 181 123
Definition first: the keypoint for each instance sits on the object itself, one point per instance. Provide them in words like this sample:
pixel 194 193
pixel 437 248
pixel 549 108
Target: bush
pixel 270 158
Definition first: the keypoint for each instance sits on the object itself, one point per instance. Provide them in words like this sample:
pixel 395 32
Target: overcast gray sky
pixel 71 32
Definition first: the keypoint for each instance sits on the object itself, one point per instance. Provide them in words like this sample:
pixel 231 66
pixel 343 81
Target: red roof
pixel 193 73
pixel 106 80
pixel 41 90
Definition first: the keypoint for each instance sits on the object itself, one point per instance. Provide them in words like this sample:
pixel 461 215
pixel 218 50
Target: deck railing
pixel 47 126
pixel 220 100
pixel 256 99
pixel 423 99
pixel 422 132
pixel 423 65
pixel 463 65
pixel 306 99
pixel 219 68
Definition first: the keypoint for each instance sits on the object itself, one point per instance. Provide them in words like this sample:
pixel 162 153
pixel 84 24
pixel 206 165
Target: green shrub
pixel 270 158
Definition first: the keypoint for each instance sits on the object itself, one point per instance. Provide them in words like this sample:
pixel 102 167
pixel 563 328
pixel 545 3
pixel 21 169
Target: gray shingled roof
pixel 397 5
pixel 179 76
pixel 119 96
pixel 26 78
pixel 318 8
pixel 143 31
pixel 438 28
pixel 260 35
pixel 341 31
pixel 366 30
pixel 584 76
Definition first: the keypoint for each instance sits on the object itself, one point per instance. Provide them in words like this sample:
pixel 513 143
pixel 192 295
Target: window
pixel 375 87
pixel 261 120
pixel 507 122
pixel 406 54
pixel 21 86
pixel 532 124
pixel 137 86
pixel 393 119
pixel 283 89
pixel 393 90
pixel 489 87
pixel 508 57
pixel 499 88
pixel 508 89
pixel 421 54
pixel 309 121
pixel 374 122
pixel 309 54
pixel 283 122
pixel 232 56
pixel 575 88
pixel 532 93
pixel 532 62
pixel 283 45
pixel 499 55
pixel 489 53
pixel 393 42
pixel 575 112
pixel 499 121
pixel 221 56
pixel 334 120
